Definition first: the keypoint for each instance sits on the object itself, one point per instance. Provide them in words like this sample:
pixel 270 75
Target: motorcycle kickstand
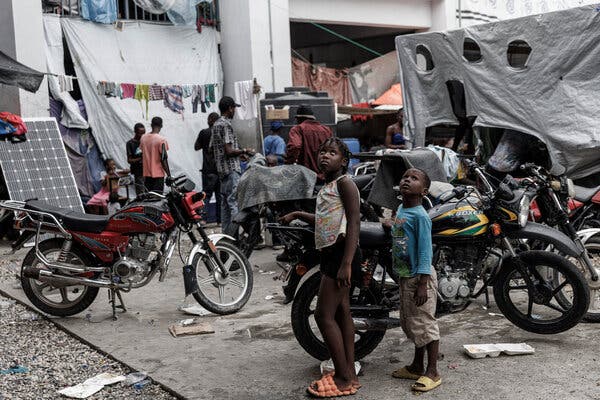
pixel 114 294
pixel 487 299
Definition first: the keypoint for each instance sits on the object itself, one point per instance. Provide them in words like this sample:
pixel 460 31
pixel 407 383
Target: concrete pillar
pixel 22 38
pixel 255 43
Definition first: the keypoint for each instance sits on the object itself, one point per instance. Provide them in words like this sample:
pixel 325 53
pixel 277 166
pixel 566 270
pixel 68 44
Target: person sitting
pixel 394 136
pixel 99 202
pixel 113 203
pixel 274 144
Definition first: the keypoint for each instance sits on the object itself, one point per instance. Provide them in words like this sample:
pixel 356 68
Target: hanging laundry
pixel 101 88
pixel 202 99
pixel 65 83
pixel 244 95
pixel 110 89
pixel 206 96
pixel 142 94
pixel 187 90
pixel 156 92
pixel 102 11
pixel 174 98
pixel 210 92
pixel 195 98
pixel 116 91
pixel 128 90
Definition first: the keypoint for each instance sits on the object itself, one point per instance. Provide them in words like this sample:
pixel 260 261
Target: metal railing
pixel 208 13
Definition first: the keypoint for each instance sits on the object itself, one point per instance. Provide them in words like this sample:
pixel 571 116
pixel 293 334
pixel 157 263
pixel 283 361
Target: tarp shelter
pixel 14 73
pixel 372 78
pixel 393 96
pixel 144 53
pixel 554 97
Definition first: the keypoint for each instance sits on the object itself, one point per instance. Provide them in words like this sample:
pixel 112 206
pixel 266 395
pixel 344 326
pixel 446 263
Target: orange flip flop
pixel 326 387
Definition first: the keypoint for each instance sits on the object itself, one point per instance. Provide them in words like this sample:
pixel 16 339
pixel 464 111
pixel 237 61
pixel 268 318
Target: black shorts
pixel 331 259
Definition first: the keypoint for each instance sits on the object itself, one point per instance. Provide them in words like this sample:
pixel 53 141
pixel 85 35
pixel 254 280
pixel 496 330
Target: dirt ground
pixel 253 354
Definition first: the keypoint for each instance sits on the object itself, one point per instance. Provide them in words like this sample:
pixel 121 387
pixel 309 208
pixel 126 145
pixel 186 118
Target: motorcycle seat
pixel 373 235
pixel 361 181
pixel 585 194
pixel 71 220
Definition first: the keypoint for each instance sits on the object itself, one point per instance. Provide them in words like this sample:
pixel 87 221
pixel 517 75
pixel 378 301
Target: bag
pixel 20 129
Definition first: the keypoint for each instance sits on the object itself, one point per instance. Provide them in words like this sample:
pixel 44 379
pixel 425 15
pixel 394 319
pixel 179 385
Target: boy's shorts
pixel 419 323
pixel 331 259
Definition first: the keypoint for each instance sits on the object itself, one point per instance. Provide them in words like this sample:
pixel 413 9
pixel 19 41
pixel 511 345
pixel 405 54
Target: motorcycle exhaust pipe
pixel 46 276
pixel 375 324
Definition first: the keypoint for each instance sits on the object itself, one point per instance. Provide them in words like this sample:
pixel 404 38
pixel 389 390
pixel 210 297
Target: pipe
pixel 375 324
pixel 43 275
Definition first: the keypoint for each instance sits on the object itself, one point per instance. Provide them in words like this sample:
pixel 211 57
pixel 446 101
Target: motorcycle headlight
pixel 524 210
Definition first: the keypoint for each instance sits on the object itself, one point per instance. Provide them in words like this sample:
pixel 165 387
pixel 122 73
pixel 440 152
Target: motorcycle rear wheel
pixel 209 279
pixel 549 315
pixel 306 331
pixel 58 301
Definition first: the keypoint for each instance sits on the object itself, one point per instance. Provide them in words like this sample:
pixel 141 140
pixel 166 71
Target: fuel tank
pixel 143 216
pixel 448 220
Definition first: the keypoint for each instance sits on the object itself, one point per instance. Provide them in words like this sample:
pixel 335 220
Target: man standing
pixel 226 150
pixel 134 157
pixel 154 157
pixel 274 145
pixel 210 177
pixel 305 139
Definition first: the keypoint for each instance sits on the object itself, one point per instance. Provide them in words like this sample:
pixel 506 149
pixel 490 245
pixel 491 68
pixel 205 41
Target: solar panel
pixel 39 168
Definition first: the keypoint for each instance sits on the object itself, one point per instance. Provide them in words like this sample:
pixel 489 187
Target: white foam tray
pixel 494 350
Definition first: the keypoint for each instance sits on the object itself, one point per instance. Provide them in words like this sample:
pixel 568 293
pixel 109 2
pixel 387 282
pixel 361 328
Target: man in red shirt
pixel 154 157
pixel 305 139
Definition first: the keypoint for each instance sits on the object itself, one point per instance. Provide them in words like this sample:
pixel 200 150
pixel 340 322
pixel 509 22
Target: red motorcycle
pixel 62 275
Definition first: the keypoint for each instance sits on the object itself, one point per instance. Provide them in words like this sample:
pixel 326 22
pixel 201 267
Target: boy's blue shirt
pixel 412 253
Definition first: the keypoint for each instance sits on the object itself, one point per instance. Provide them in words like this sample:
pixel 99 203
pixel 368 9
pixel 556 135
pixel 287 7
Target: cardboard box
pixel 282 113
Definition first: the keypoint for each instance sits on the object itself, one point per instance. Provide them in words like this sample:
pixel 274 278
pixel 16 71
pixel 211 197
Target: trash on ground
pixel 140 385
pixel 4 304
pixel 28 316
pixel 91 385
pixel 269 297
pixel 327 366
pixel 194 309
pixel 190 326
pixel 453 366
pixel 135 377
pixel 494 350
pixel 493 314
pixel 15 369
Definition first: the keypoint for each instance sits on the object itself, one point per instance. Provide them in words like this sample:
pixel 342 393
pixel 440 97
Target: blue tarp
pixel 102 11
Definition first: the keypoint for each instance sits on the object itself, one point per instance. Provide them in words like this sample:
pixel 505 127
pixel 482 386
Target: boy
pixel 412 256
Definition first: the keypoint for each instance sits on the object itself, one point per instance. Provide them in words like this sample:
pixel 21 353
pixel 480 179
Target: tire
pixel 313 344
pixel 33 288
pixel 592 247
pixel 539 265
pixel 209 278
pixel 247 236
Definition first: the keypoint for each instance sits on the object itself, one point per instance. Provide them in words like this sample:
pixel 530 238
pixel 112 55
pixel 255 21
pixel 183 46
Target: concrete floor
pixel 253 354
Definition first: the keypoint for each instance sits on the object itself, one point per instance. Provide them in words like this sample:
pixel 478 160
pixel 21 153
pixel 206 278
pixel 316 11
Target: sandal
pixel 326 387
pixel 425 384
pixel 404 373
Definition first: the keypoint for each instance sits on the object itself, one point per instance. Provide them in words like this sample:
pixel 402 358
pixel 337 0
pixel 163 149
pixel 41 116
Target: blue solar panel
pixel 39 167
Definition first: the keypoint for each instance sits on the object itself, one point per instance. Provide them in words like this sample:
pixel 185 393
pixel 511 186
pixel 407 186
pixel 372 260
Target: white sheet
pixel 144 53
pixel 70 117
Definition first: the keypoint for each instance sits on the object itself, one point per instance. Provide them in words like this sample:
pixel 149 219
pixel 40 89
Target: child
pixel 337 224
pixel 99 201
pixel 113 203
pixel 412 256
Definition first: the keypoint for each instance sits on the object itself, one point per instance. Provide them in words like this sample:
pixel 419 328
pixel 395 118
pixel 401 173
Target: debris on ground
pixel 135 377
pixel 494 350
pixel 91 385
pixel 453 366
pixel 190 326
pixel 15 369
pixel 194 309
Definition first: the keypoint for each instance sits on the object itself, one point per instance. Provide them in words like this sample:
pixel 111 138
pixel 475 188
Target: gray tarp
pixel 14 73
pixel 371 79
pixel 555 98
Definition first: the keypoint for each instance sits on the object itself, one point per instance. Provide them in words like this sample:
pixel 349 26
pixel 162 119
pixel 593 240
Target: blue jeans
pixel 229 206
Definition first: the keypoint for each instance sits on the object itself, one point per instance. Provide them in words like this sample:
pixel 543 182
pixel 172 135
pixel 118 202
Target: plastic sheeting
pixel 371 79
pixel 144 53
pixel 14 73
pixel 330 80
pixel 70 115
pixel 554 98
pixel 102 11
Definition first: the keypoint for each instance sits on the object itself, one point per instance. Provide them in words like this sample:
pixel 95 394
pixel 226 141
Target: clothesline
pixel 171 95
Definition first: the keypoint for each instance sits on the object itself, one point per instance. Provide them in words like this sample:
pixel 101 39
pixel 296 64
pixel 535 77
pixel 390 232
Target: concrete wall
pixel 413 14
pixel 22 37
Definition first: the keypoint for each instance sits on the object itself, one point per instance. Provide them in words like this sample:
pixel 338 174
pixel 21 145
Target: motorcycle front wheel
pixel 61 300
pixel 224 294
pixel 306 330
pixel 530 295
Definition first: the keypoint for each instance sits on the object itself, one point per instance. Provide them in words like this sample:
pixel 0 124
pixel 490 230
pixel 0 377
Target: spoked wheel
pixel 592 246
pixel 306 330
pixel 59 300
pixel 531 294
pixel 224 294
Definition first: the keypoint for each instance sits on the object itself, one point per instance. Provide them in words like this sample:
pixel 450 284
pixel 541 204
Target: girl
pixel 337 224
pixel 99 201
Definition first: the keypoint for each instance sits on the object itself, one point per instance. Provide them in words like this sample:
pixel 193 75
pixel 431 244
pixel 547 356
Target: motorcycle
pixel 550 205
pixel 473 235
pixel 62 275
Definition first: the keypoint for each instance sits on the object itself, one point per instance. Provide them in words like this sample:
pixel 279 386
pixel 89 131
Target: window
pixel 471 50
pixel 518 53
pixel 424 59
